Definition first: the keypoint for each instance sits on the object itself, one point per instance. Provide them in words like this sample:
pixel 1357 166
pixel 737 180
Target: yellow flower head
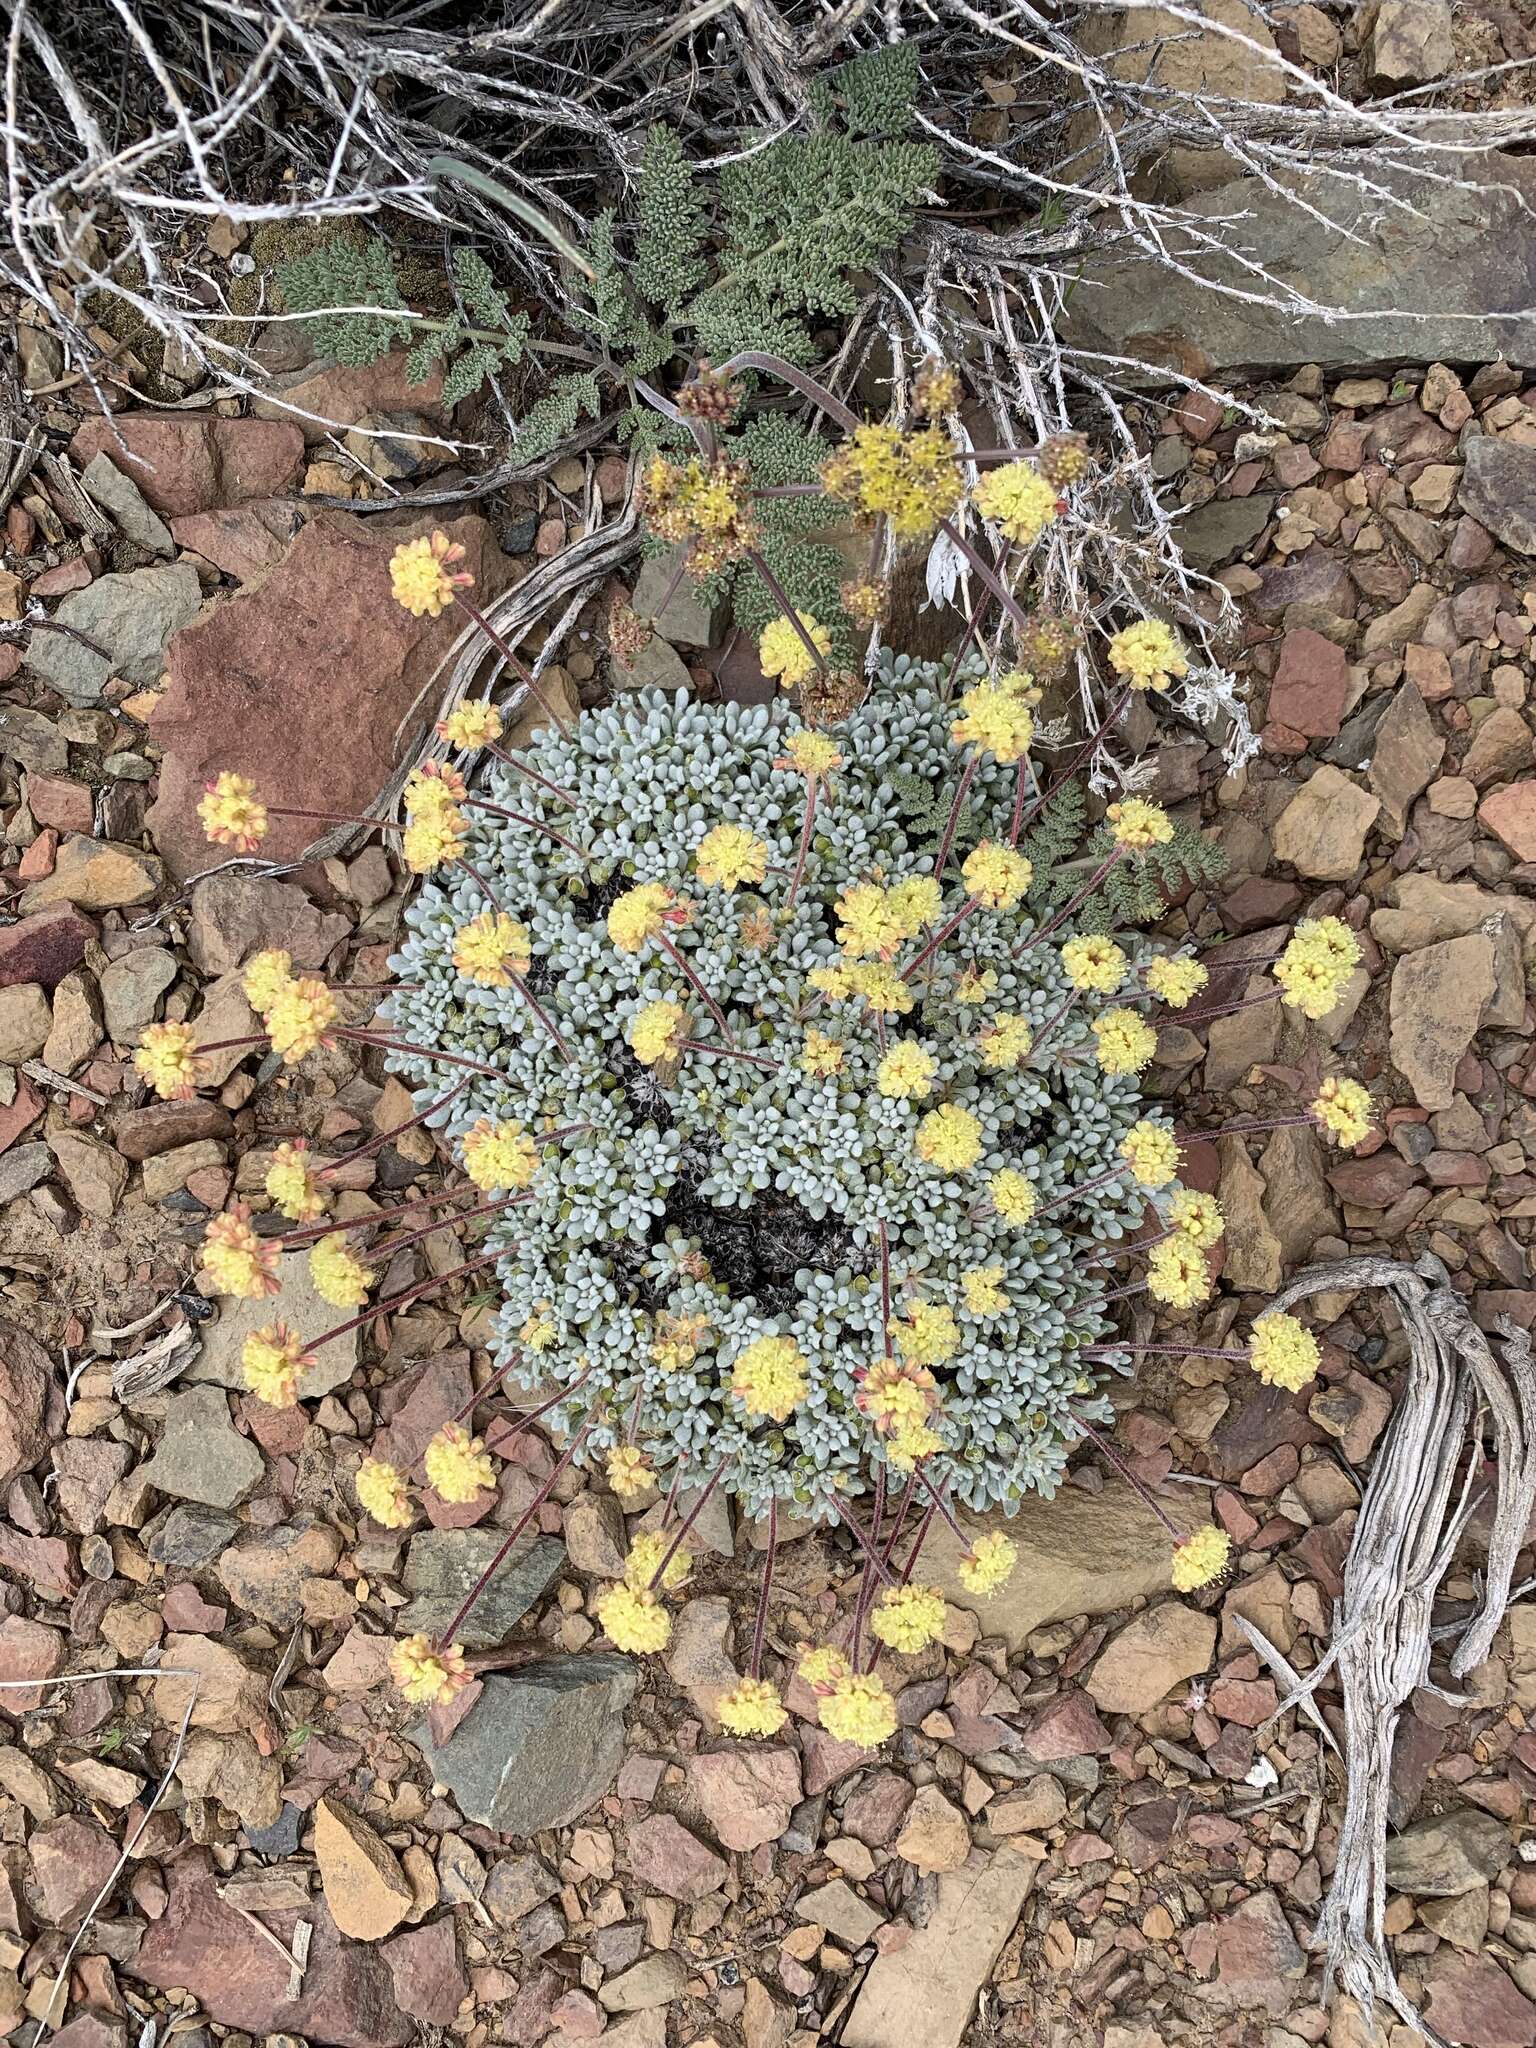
pixel 881 985
pixel 866 600
pixel 340 1277
pixel 432 839
pixel 984 1293
pixel 988 1564
pixel 705 505
pixel 810 754
pixel 636 1622
pixel 433 789
pixel 950 1138
pixel 1311 985
pixel 1196 1216
pixel 1013 1195
pixel 908 1618
pixel 729 855
pixel 936 388
pixel 428 1677
pixel 234 1258
pixel 782 652
pixel 273 1360
pixel 1018 499
pixel 491 948
pixel 537 1332
pixel 644 1560
pixel 381 1492
pixel 823 1668
pixel 458 1466
pixel 859 1710
pixel 1126 1042
pixel 1201 1558
pixel 912 478
pixel 974 985
pixel 1343 1108
pixel 629 1472
pixel 925 1333
pixel 822 1055
pixel 292 1186
pixel 769 1377
pixel 835 983
pixel 1177 1273
pixel 642 913
pixel 423 575
pixel 1005 1044
pixel 906 1072
pixel 499 1156
pixel 1333 940
pixel 868 922
pixel 896 1393
pixel 1176 978
pixel 914 903
pixel 1147 655
pixel 167 1059
pixel 657 1031
pixel 474 723
pixel 266 976
pixel 1283 1352
pixel 910 1443
pixel 299 1018
pixel 752 1707
pixel 997 876
pixel 1094 962
pixel 232 814
pixel 1136 826
pixel 1151 1151
pixel 996 719
pixel 678 1339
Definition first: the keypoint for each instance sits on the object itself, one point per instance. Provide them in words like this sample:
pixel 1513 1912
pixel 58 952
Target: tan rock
pixel 925 1991
pixel 1254 1256
pixel 366 1889
pixel 1149 1657
pixel 1321 832
pixel 935 1836
pixel 1438 998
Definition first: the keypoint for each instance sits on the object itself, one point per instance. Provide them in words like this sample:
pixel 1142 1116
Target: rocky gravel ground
pixel 1092 1825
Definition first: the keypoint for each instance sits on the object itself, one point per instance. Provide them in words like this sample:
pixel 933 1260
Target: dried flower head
pixel 711 395
pixel 935 389
pixel 1064 460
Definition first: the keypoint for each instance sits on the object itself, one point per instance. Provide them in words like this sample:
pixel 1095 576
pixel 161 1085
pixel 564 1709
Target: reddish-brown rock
pixel 1311 685
pixel 45 947
pixel 746 1792
pixel 429 1979
pixel 243 541
pixel 303 684
pixel 26 1376
pixel 196 462
pixel 1068 1726
pixel 1471 2000
pixel 1511 814
pixel 348 1999
pixel 664 1857
pixel 28 1649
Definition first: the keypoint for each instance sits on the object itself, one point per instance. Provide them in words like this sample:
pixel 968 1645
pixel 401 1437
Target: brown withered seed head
pixel 1065 459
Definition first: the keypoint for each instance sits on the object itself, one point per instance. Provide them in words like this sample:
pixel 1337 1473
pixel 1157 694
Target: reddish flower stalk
pixel 732 1052
pixel 1085 1187
pixel 381 1043
pixel 697 986
pixel 1167 1350
pixel 805 845
pixel 760 1628
pixel 952 823
pixel 519 668
pixel 1052 1021
pixel 918 1540
pixel 527 768
pixel 1038 938
pixel 693 1515
pixel 861 1539
pixel 988 575
pixel 1076 762
pixel 1246 1130
pixel 398 1301
pixel 944 931
pixel 523 1421
pixel 384 1252
pixel 288 1239
pixel 450 1633
pixel 936 1495
pixel 781 598
pixel 1268 995
pixel 885 1287
pixel 483 803
pixel 1138 1486
pixel 395 1131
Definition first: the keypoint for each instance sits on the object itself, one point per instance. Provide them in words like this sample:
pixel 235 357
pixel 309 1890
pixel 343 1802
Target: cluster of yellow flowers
pixel 709 507
pixel 657 1031
pixel 428 1677
pixel 782 652
pixel 1017 499
pixel 298 1010
pixel 878 920
pixel 911 478
pixel 1202 1557
pixel 499 1156
pixel 769 1377
pixel 424 575
pixel 1126 1042
pixel 1283 1352
pixel 949 1137
pixel 383 1494
pixel 1176 979
pixel 339 1275
pixel 1177 1273
pixel 644 912
pixel 293 1186
pixel 1343 1108
pixel 1095 963
pixel 235 1260
pixel 1316 965
pixel 996 876
pixel 436 828
pixel 1151 1151
pixel 729 855
pixel 631 1611
pixel 273 1360
pixel 908 1618
pixel 458 1466
pixel 998 717
pixel 1147 655
pixel 474 723
pixel 232 814
pixel 1137 826
pixel 491 949
pixel 167 1059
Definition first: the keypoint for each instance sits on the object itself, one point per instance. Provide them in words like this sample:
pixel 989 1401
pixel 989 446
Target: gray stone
pixel 302 1309
pixel 655 1980
pixel 1411 43
pixel 838 1908
pixel 1407 756
pixel 1322 830
pixel 540 1746
pixel 168 1172
pixel 191 1536
pixel 1441 1858
pixel 33 740
pixel 201 1456
pixel 131 989
pixel 442 1566
pixel 76 1029
pixel 95 1175
pixel 1447 278
pixel 1214 532
pixel 21 1168
pixel 130 618
pixel 121 496
pixel 689 620
pixel 1498 488
pixel 656 666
